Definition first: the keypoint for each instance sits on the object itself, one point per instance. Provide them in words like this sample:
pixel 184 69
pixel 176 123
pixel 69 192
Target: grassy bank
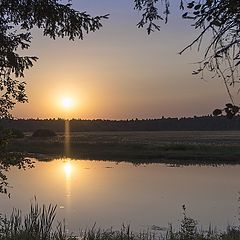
pixel 39 225
pixel 139 147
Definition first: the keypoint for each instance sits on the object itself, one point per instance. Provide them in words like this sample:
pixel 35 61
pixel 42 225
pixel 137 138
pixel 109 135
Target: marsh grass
pixel 147 147
pixel 39 224
pixel 36 225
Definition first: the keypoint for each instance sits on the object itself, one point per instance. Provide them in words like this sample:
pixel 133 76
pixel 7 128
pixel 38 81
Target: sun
pixel 66 102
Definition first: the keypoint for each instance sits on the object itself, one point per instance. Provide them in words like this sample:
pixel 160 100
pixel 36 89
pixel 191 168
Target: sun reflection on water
pixel 68 169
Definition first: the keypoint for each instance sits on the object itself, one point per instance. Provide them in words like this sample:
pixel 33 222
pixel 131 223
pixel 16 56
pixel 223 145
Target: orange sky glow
pixel 119 72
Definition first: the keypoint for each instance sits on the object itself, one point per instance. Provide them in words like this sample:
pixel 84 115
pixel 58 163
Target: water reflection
pixel 68 169
pixel 111 194
pixel 68 174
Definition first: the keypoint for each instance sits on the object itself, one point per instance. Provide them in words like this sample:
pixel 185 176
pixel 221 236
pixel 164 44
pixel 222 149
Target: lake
pixel 110 194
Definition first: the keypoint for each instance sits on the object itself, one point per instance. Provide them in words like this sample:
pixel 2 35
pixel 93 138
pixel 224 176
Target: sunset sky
pixel 119 72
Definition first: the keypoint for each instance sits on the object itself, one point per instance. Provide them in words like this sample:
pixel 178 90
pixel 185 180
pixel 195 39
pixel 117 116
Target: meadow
pixel 179 147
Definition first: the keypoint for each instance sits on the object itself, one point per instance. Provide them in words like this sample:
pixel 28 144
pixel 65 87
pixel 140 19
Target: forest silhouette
pixel 203 123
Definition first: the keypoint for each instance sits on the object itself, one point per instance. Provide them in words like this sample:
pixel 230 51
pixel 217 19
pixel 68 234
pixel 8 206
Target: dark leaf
pixel 197 7
pixel 190 5
pixel 196 12
pixel 229 105
pixel 217 112
pixel 216 23
pixel 235 109
pixel 209 18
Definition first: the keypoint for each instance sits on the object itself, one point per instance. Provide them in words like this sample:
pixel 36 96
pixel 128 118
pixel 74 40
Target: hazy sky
pixel 119 72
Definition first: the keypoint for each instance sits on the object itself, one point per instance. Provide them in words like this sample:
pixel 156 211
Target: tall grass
pixel 38 224
pixel 123 234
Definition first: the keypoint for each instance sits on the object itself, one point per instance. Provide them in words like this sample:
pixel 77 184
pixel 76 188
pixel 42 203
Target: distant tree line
pixel 203 123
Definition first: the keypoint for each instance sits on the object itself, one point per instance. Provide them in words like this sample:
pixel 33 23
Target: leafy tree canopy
pixel 219 17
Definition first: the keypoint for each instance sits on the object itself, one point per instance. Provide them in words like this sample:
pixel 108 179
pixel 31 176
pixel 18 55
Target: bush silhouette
pixel 44 133
pixel 16 133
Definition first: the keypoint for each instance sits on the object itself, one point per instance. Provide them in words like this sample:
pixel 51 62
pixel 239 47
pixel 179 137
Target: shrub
pixel 16 133
pixel 44 133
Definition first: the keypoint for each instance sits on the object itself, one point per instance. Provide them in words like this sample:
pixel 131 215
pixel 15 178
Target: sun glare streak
pixel 67 138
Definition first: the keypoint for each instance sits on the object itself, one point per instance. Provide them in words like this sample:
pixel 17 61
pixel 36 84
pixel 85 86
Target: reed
pixel 36 225
pixel 39 224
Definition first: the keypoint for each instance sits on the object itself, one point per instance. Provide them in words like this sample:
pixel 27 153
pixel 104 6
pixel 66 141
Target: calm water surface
pixel 110 194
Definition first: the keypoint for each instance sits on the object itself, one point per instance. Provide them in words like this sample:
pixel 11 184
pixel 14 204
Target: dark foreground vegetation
pixel 44 133
pixel 205 123
pixel 137 147
pixel 39 224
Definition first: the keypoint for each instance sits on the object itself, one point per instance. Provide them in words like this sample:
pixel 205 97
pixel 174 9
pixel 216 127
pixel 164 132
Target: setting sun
pixel 66 102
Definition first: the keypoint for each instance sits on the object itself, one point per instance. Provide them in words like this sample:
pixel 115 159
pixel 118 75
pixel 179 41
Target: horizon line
pixel 104 119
